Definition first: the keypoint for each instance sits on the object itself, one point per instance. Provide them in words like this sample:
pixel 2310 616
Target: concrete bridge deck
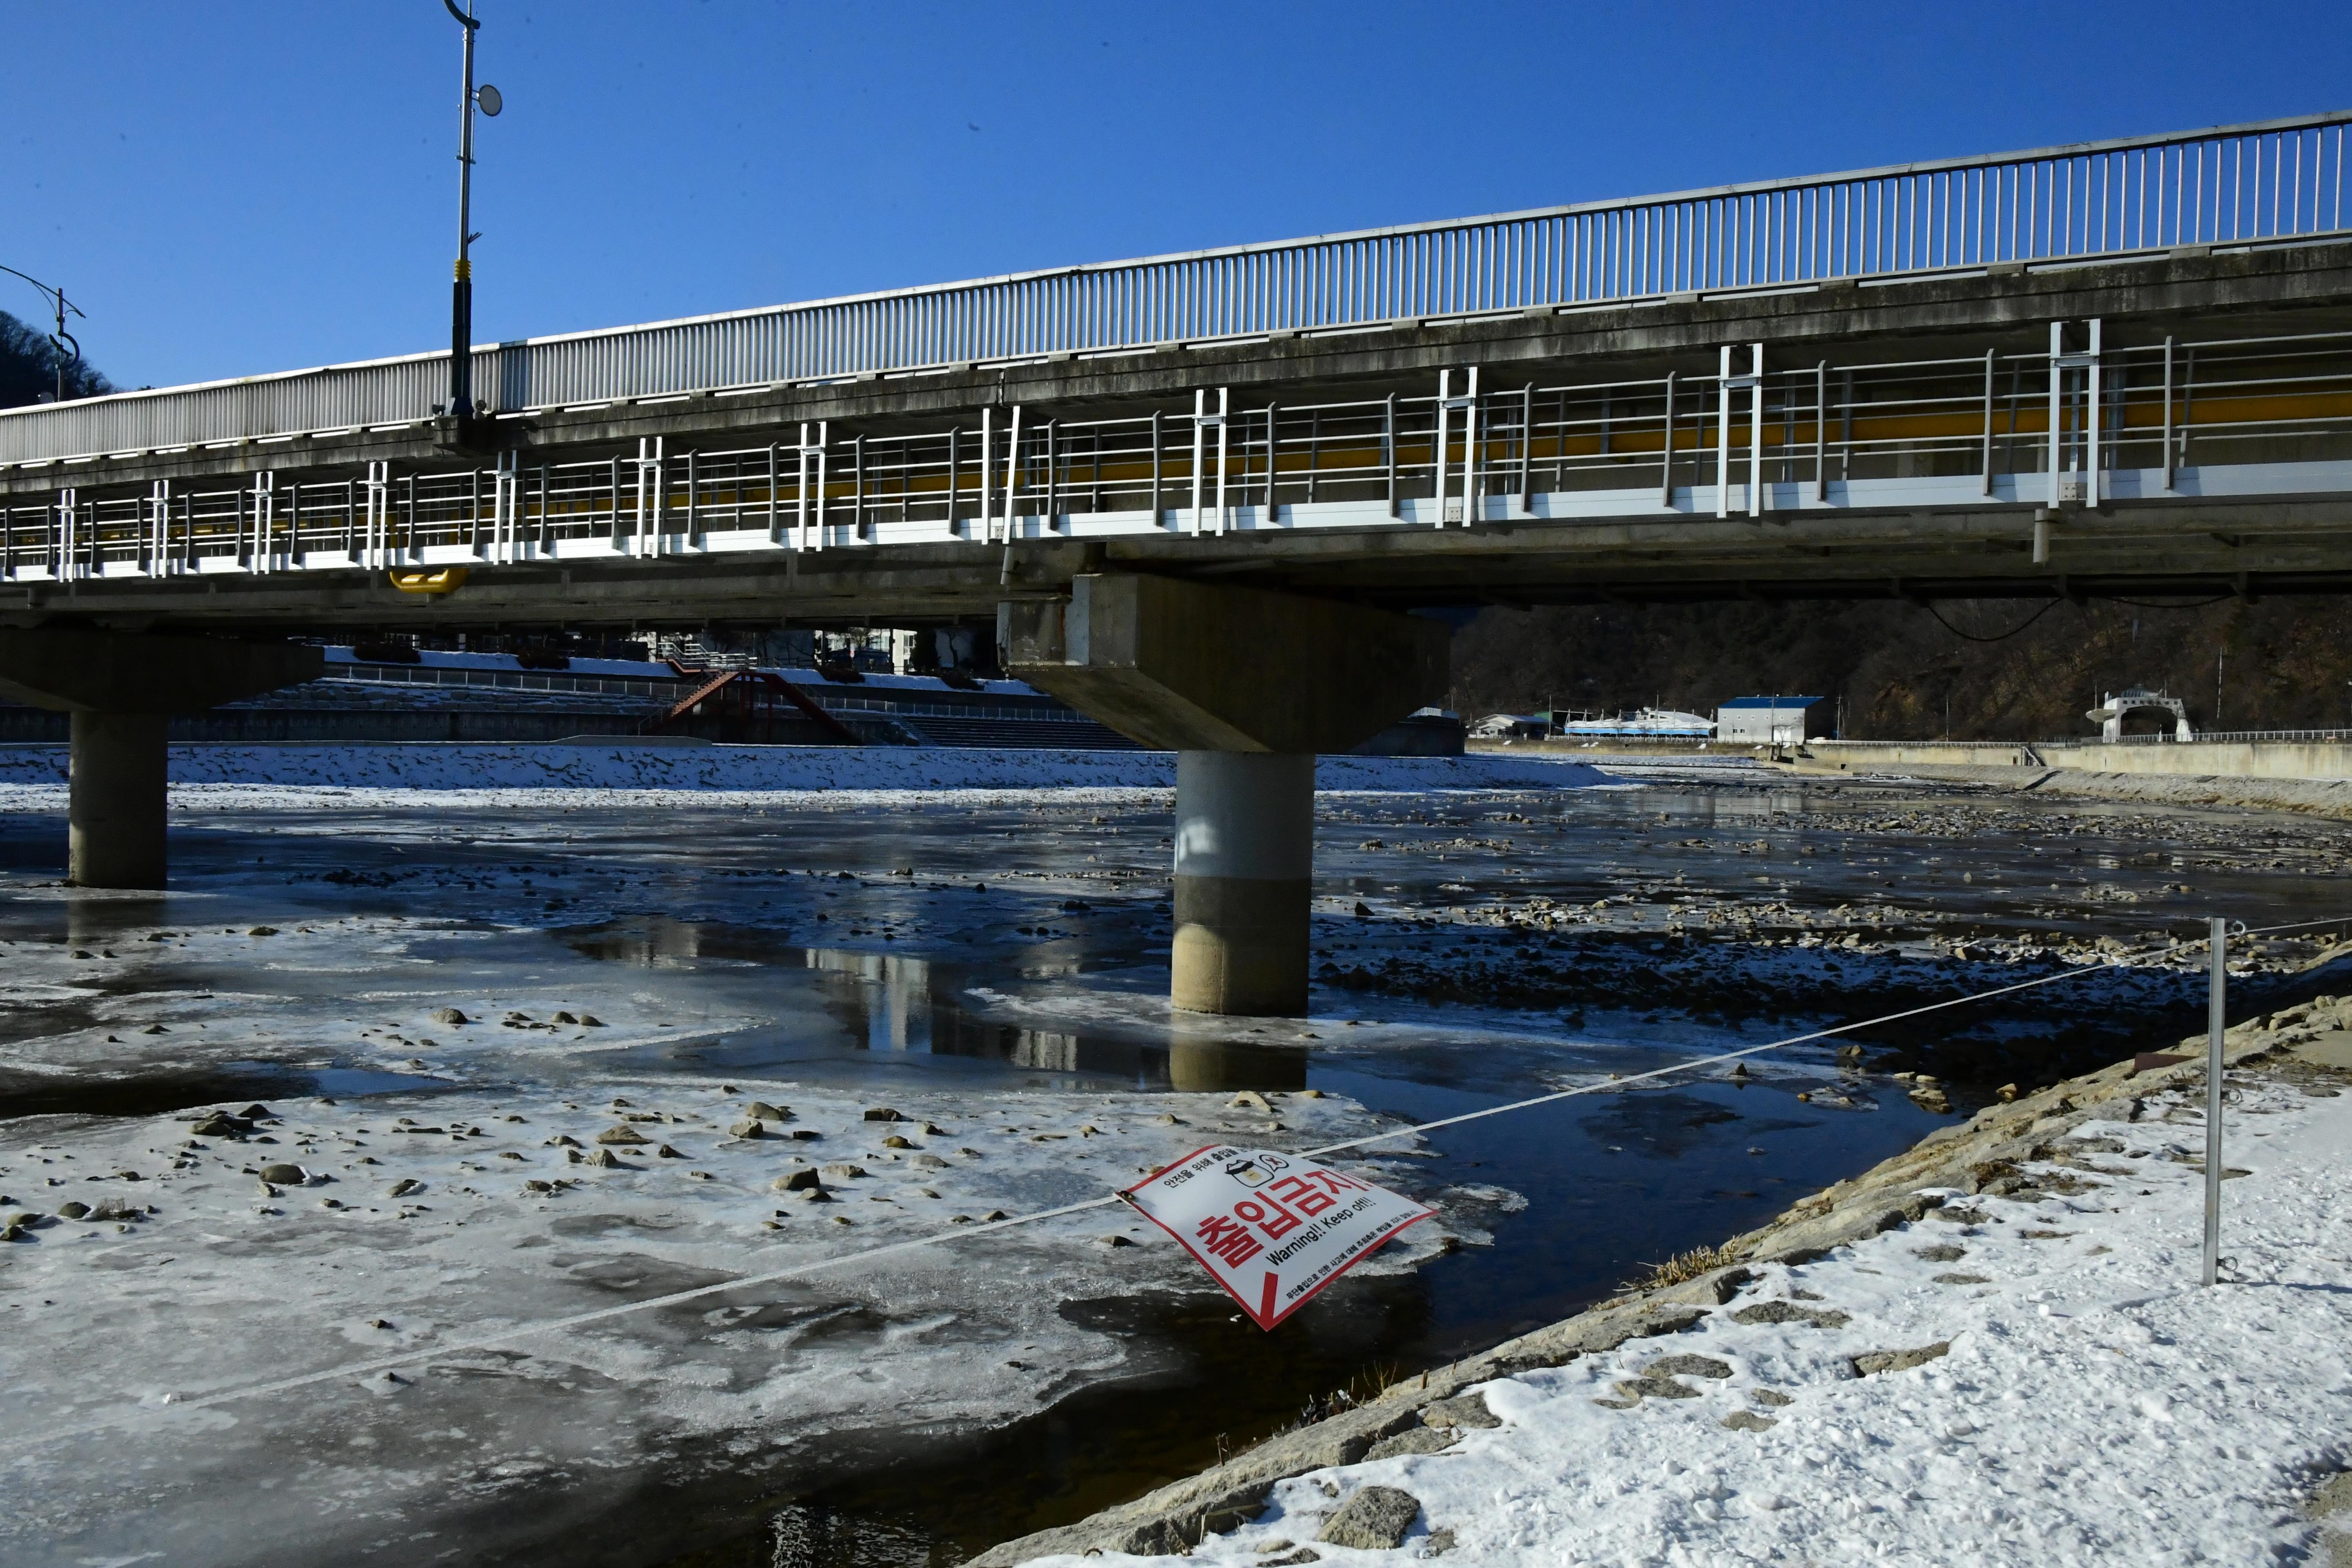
pixel 1814 402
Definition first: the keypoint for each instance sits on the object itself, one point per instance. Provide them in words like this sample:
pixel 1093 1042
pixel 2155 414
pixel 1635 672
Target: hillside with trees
pixel 1993 670
pixel 28 367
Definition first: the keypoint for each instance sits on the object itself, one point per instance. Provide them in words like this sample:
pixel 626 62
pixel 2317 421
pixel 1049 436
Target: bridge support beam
pixel 122 690
pixel 1246 686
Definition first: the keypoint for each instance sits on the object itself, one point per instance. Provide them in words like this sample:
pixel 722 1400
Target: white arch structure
pixel 2110 717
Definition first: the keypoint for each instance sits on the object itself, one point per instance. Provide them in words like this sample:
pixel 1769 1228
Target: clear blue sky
pixel 235 188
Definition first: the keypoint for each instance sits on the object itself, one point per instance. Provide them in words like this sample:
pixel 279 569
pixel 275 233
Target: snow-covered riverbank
pixel 2017 1369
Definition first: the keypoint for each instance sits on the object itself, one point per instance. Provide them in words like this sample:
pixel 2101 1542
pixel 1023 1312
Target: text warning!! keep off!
pixel 1272 1230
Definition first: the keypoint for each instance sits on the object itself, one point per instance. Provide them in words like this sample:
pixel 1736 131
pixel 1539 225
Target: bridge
pixel 1195 491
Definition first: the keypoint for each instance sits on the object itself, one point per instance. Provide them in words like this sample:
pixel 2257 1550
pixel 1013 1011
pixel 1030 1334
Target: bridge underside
pixel 2290 546
pixel 2173 425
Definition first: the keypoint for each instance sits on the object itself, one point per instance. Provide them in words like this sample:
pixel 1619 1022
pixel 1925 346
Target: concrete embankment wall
pixel 2322 797
pixel 2215 759
pixel 1873 755
pixel 2219 759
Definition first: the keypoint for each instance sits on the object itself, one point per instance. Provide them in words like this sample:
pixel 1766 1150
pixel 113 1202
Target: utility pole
pixel 461 298
pixel 59 337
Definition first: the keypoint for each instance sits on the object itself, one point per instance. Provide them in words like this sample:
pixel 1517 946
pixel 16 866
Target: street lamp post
pixel 461 299
pixel 59 338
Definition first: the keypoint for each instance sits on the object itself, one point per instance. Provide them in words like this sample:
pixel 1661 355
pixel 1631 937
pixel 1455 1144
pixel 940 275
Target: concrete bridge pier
pixel 1245 881
pixel 122 690
pixel 114 806
pixel 1246 686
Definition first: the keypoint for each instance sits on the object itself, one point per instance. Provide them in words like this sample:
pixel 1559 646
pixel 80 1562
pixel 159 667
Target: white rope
pixel 582 1319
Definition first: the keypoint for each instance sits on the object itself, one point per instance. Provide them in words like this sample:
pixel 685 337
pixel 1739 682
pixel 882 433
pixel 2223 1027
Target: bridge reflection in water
pixel 897 1004
pixel 886 1003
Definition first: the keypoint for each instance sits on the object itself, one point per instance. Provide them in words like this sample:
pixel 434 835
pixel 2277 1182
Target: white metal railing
pixel 2277 180
pixel 2076 743
pixel 2129 420
pixel 504 680
pixel 2220 737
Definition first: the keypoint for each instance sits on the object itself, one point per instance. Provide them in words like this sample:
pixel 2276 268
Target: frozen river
pixel 988 967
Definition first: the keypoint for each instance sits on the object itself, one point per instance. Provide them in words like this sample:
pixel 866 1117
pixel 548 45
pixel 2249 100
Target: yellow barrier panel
pixel 439 580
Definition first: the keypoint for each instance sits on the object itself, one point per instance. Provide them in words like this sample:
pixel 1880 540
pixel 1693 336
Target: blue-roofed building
pixel 1775 721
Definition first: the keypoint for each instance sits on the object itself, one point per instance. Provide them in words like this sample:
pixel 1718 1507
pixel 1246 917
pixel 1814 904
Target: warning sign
pixel 1272 1229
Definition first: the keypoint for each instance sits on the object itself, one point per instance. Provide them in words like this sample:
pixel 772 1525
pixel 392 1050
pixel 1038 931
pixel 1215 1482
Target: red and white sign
pixel 1272 1229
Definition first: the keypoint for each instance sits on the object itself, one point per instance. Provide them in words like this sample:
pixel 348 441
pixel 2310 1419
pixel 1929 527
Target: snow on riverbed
pixel 2077 1397
pixel 31 776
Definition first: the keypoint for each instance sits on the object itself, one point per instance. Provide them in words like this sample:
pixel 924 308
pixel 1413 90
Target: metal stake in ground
pixel 2216 1005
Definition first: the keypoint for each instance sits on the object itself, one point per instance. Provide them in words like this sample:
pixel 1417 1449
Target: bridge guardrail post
pixel 1273 450
pixel 856 488
pixel 811 456
pixel 987 474
pixel 1202 423
pixel 265 521
pixel 1388 449
pixel 1527 485
pixel 506 507
pixel 652 497
pixel 1158 448
pixel 1988 423
pixel 155 544
pixel 377 536
pixel 1666 454
pixel 1049 438
pixel 2167 412
pixel 1011 473
pixel 1728 384
pixel 2085 491
pixel 774 522
pixel 1467 406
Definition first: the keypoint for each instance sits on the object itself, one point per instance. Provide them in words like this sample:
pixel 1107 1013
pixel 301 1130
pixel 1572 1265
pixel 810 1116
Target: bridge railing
pixel 2244 183
pixel 2155 411
pixel 2221 737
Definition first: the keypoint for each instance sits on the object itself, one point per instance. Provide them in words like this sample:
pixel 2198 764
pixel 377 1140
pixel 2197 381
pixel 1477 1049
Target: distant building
pixel 1640 723
pixel 1775 721
pixel 1511 727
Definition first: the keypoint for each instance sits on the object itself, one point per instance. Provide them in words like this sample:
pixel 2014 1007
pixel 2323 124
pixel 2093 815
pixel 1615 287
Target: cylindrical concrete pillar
pixel 114 810
pixel 1245 862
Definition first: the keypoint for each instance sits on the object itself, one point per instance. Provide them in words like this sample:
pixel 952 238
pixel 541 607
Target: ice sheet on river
pixel 621 767
pixel 472 1201
pixel 430 1218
